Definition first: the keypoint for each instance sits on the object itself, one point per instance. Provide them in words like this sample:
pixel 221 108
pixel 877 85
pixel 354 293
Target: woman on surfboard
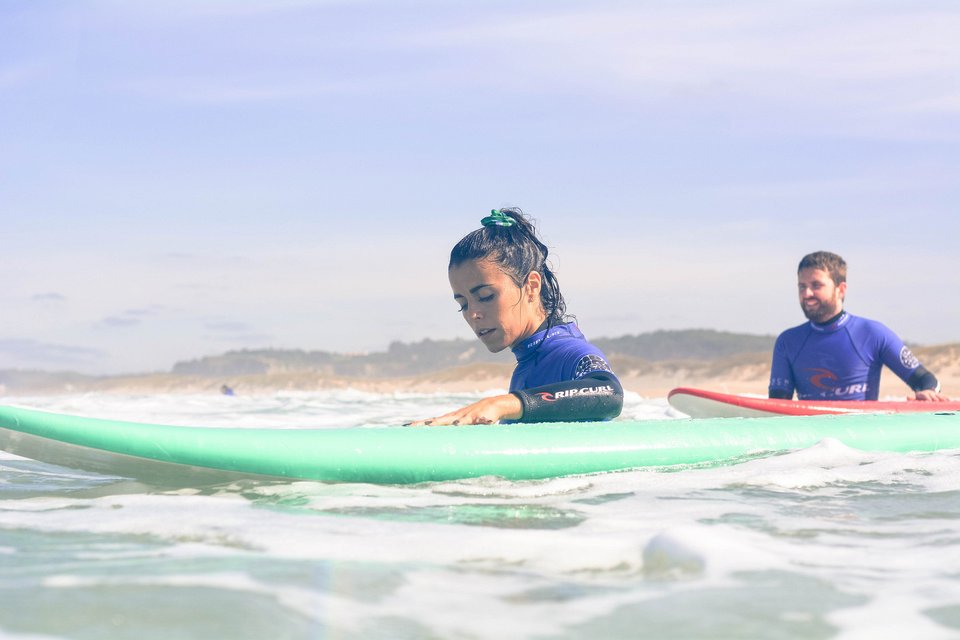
pixel 510 297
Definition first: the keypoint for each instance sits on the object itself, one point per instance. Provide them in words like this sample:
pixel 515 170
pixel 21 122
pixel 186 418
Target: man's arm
pixel 782 384
pixel 898 357
pixel 926 386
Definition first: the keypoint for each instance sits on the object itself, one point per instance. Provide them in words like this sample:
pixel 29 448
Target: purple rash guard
pixel 562 377
pixel 841 360
pixel 557 354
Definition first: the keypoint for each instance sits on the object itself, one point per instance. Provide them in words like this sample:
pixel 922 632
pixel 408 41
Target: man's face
pixel 820 297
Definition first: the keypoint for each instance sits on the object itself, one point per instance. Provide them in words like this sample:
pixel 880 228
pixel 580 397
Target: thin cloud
pixel 732 54
pixel 19 75
pixel 943 105
pixel 778 52
pixel 834 187
pixel 141 13
pixel 247 339
pixel 178 256
pixel 144 312
pixel 235 332
pixel 206 90
pixel 130 317
pixel 227 326
pixel 48 297
pixel 28 352
pixel 120 321
pixel 196 259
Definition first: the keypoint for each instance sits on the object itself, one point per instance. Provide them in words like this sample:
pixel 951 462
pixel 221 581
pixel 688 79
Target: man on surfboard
pixel 836 355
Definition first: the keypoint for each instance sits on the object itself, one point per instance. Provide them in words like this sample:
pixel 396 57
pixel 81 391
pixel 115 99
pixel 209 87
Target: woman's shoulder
pixel 571 334
pixel 573 345
pixel 566 331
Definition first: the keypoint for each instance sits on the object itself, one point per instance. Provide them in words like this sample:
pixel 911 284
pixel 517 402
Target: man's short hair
pixel 826 261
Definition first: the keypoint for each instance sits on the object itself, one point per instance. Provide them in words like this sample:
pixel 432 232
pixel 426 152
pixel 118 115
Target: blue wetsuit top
pixel 562 377
pixel 841 360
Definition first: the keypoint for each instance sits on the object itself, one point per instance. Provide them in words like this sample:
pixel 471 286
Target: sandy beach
pixel 744 373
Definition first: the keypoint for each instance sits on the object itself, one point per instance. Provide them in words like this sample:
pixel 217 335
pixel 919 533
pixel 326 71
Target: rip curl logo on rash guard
pixel 823 378
pixel 907 358
pixel 600 390
pixel 827 380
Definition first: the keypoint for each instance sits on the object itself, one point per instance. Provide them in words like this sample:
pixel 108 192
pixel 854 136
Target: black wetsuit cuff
pixel 587 399
pixel 923 380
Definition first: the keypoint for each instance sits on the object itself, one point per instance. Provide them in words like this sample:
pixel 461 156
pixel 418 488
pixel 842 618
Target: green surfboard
pixel 400 455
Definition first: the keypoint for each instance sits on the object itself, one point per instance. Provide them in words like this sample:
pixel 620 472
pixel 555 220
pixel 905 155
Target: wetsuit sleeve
pixel 598 395
pixel 782 384
pixel 898 357
pixel 921 380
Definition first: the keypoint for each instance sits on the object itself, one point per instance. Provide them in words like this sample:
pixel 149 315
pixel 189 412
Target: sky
pixel 188 177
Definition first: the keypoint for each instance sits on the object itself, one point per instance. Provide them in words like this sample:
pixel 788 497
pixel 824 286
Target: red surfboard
pixel 699 403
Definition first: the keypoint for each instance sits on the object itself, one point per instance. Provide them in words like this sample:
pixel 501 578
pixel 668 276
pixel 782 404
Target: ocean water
pixel 825 542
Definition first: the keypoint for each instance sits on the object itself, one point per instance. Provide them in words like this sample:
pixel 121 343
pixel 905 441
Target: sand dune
pixel 745 373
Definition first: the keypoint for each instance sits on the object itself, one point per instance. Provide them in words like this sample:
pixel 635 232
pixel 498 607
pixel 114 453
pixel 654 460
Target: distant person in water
pixel 511 299
pixel 836 355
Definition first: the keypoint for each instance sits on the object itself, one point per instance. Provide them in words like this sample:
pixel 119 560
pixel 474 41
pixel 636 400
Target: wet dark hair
pixel 517 251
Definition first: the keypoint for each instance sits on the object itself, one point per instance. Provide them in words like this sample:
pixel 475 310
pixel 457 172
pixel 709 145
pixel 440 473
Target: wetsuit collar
pixel 527 348
pixel 832 324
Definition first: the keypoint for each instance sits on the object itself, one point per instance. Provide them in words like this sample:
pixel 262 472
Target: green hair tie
pixel 498 219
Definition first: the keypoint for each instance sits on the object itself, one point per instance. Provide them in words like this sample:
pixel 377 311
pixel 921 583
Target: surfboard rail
pixel 702 403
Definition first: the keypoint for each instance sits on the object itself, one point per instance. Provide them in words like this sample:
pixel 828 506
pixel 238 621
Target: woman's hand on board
pixel 487 411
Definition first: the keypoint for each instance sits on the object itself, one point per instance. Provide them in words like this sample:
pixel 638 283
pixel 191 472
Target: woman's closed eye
pixel 478 298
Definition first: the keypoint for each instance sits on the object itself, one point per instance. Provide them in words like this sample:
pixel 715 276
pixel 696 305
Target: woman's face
pixel 500 313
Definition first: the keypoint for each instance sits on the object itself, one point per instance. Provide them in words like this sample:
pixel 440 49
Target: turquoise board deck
pixel 399 455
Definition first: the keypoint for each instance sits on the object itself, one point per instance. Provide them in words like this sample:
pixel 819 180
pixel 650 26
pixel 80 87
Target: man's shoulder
pixel 849 322
pixel 861 325
pixel 794 332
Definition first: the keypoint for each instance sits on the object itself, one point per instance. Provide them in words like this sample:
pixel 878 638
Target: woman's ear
pixel 532 286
